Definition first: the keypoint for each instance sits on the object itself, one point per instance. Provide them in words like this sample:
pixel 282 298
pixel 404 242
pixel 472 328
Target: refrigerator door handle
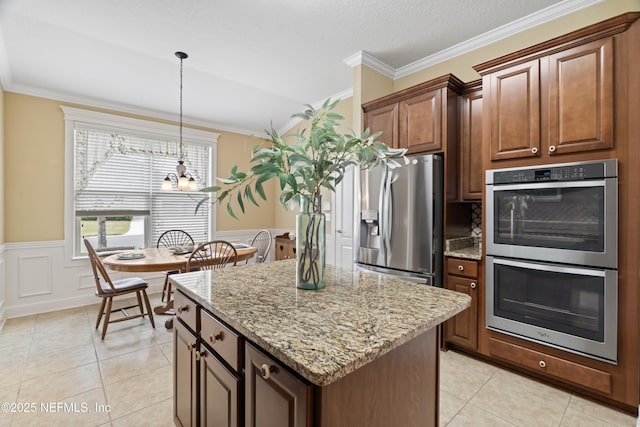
pixel 389 214
pixel 381 213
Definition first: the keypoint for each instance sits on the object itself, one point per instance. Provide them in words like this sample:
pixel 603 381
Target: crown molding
pixel 348 93
pixel 365 58
pixel 5 70
pixel 545 15
pixel 117 107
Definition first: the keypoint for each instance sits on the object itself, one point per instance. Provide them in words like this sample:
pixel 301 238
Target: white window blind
pixel 119 173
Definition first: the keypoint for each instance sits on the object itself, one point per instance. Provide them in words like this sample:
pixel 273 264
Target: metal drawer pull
pixel 460 268
pixel 214 338
pixel 191 346
pixel 473 285
pixel 183 308
pixel 266 371
pixel 542 364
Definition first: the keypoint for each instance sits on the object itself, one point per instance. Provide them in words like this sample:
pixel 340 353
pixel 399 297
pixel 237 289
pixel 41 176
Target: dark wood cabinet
pixel 185 376
pixel 220 392
pixel 580 98
pixel 420 129
pixel 462 276
pixel 274 397
pixel 384 119
pixel 422 118
pixel 557 101
pixel 470 169
pixel 207 384
pixel 513 97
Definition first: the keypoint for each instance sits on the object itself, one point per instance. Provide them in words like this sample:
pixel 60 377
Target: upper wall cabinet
pixel 470 169
pixel 421 122
pixel 418 118
pixel 554 98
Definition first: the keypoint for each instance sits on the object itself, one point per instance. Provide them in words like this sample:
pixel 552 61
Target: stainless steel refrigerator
pixel 399 228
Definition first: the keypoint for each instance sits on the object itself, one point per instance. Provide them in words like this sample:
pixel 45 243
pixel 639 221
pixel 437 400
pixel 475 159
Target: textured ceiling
pixel 250 62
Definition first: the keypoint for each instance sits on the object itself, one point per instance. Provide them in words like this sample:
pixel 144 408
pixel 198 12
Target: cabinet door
pixel 515 111
pixel 219 393
pixel 185 377
pixel 273 396
pixel 421 123
pixel 471 147
pixel 581 98
pixel 462 329
pixel 384 119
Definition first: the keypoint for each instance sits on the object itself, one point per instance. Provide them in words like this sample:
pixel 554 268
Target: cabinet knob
pixel 542 363
pixel 473 285
pixel 214 338
pixel 552 148
pixel 183 308
pixel 460 268
pixel 191 346
pixel 266 370
pixel 534 150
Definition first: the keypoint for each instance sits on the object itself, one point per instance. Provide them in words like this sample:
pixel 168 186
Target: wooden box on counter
pixel 285 247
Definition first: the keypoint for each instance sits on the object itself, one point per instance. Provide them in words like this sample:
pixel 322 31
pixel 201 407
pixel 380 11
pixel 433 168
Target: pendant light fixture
pixel 183 180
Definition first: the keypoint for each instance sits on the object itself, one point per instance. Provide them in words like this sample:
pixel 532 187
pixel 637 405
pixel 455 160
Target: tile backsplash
pixel 476 220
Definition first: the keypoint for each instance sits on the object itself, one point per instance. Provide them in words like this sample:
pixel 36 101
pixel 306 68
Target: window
pixel 116 168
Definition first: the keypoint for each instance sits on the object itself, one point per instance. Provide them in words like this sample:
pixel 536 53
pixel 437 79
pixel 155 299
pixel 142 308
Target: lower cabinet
pixel 462 276
pixel 221 381
pixel 185 376
pixel 220 398
pixel 273 396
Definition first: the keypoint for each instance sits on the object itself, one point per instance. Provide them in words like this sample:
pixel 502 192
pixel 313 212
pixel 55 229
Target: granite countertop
pixel 464 247
pixel 323 335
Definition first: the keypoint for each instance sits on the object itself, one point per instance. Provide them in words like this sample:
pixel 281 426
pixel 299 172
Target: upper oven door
pixel 569 222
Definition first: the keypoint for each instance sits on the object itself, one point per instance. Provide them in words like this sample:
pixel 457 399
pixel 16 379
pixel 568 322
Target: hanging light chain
pixel 182 56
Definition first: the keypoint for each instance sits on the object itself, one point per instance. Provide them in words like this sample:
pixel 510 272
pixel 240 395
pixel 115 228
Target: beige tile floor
pixel 57 359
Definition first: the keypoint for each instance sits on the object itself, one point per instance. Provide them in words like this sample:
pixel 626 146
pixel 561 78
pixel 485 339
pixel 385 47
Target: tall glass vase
pixel 310 244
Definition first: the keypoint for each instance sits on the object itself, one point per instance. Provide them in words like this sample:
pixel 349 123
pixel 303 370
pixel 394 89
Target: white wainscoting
pixel 34 278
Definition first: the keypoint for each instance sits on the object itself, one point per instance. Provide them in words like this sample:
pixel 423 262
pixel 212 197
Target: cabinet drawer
pixel 461 267
pixel 552 366
pixel 221 339
pixel 185 310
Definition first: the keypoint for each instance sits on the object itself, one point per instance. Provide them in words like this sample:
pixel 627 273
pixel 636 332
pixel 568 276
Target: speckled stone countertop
pixel 323 335
pixel 464 247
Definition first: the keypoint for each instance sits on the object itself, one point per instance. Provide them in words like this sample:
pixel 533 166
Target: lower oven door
pixel 573 308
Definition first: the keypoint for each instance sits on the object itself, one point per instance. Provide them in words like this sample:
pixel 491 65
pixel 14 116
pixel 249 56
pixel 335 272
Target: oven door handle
pixel 552 268
pixel 552 185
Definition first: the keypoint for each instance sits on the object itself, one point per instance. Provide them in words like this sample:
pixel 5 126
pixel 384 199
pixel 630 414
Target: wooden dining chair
pixel 212 255
pixel 172 239
pixel 262 242
pixel 108 289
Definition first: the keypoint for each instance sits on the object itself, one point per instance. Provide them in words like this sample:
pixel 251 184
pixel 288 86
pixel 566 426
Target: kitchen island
pixel 250 347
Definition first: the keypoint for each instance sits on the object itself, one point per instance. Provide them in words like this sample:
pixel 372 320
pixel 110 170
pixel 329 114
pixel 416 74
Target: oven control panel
pixel 574 172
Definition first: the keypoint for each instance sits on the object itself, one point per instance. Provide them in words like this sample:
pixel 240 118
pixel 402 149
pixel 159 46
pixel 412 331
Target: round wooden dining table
pixel 163 259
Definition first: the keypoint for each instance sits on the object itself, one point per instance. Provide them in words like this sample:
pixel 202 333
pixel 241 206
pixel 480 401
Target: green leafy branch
pixel 314 161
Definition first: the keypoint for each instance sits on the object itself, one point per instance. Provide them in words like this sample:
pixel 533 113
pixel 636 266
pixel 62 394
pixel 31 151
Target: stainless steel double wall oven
pixel 552 239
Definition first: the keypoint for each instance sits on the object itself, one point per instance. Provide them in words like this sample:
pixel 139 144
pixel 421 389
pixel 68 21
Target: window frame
pixel 144 128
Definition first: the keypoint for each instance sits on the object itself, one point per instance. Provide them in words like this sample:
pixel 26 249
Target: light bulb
pixel 166 184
